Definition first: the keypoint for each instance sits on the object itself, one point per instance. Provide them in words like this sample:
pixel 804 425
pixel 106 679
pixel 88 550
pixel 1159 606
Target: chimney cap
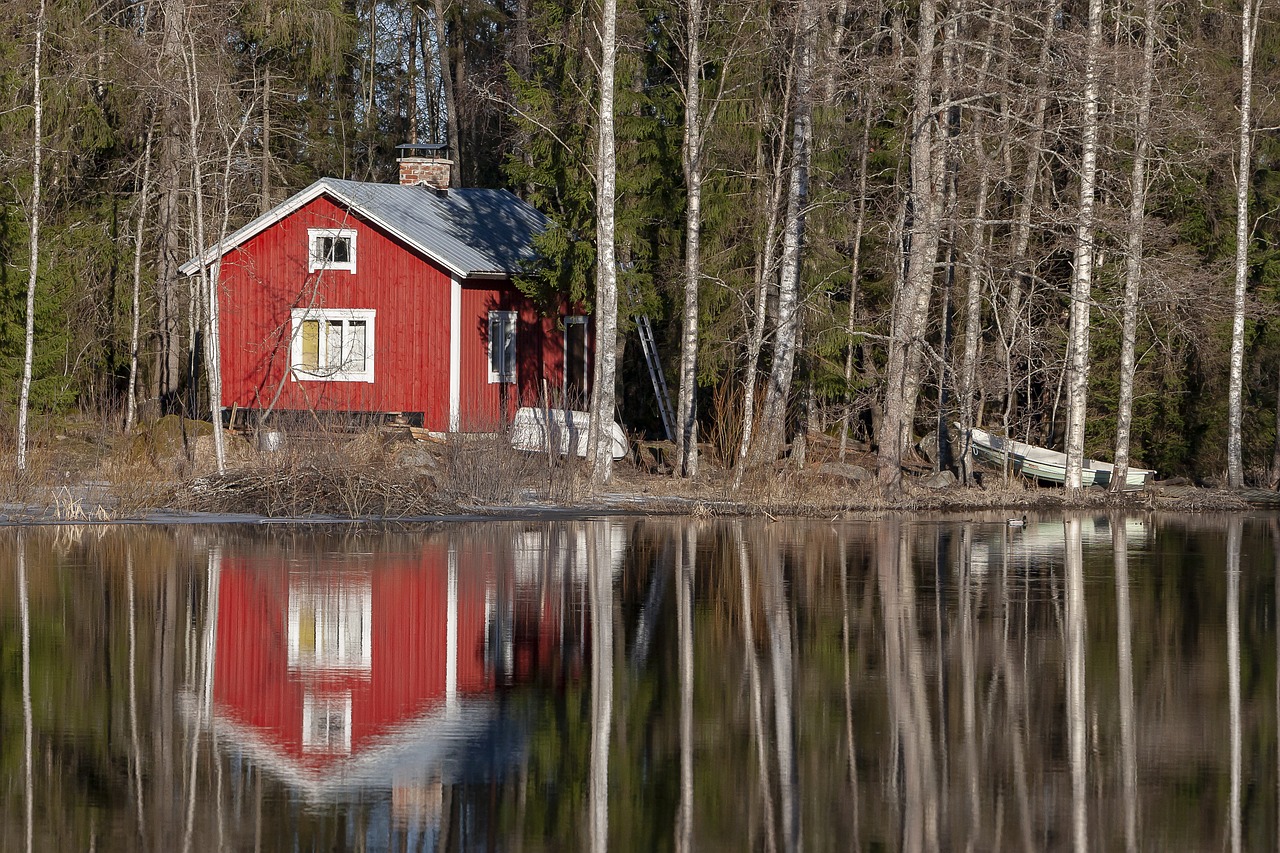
pixel 431 149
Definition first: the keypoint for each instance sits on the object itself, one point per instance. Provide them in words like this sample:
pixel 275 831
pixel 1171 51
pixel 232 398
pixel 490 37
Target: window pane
pixel 509 348
pixel 355 345
pixel 340 250
pixel 310 349
pixel 333 344
pixel 495 343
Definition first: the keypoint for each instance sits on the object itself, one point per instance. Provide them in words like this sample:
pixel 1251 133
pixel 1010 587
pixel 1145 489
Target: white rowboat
pixel 1040 463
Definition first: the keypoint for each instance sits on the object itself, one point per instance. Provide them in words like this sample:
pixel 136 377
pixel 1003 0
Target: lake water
pixel 1087 682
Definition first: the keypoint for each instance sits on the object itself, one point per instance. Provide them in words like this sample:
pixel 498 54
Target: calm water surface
pixel 1088 683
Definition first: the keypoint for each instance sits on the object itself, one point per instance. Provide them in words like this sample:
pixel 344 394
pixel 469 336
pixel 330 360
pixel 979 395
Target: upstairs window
pixel 502 346
pixel 332 249
pixel 333 344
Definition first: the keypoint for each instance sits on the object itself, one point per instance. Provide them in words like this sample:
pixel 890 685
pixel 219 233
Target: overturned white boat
pixel 1048 465
pixel 561 431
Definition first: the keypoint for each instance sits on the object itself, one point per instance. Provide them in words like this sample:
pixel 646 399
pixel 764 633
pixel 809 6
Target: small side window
pixel 502 346
pixel 331 249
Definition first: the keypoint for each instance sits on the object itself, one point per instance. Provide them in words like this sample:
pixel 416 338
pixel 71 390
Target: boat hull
pixel 1046 465
pixel 563 431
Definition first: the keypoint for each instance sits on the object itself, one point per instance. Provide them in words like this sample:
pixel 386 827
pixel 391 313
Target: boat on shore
pixel 562 431
pixel 1047 465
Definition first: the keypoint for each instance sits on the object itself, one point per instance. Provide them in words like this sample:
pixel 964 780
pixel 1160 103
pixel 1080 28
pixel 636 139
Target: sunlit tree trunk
pixel 208 283
pixel 1235 389
pixel 37 151
pixel 911 302
pixel 135 306
pixel 686 404
pixel 602 390
pixel 1133 260
pixel 773 420
pixel 1082 272
pixel 763 276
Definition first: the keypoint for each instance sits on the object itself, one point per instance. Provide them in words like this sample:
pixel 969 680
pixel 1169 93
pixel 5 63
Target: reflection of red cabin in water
pixel 349 671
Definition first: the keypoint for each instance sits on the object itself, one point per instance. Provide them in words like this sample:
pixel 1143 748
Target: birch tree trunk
pixel 1235 391
pixel 686 405
pixel 1133 261
pixel 600 437
pixel 168 368
pixel 855 270
pixel 911 302
pixel 777 394
pixel 131 406
pixel 756 324
pixel 1026 203
pixel 1082 273
pixel 208 282
pixel 37 151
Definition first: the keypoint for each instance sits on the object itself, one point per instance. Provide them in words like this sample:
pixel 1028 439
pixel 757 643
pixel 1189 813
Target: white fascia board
pixel 257 226
pixel 311 193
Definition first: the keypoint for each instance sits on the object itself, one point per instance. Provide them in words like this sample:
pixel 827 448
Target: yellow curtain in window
pixel 310 333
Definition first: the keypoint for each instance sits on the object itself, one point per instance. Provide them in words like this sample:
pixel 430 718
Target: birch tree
pixel 1133 258
pixel 37 150
pixel 135 304
pixel 1235 388
pixel 778 391
pixel 1082 272
pixel 911 301
pixel 600 435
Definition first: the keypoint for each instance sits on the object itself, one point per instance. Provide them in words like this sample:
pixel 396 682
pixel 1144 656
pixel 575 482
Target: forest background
pixel 832 209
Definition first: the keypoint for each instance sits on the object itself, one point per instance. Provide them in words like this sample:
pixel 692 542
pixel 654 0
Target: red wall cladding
pixel 267 276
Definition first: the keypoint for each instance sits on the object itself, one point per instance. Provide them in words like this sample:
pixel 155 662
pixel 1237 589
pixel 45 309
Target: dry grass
pixel 85 472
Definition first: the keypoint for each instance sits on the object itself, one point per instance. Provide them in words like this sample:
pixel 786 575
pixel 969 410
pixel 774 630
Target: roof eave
pixel 306 196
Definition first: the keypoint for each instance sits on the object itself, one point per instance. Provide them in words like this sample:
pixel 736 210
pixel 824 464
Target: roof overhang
pixel 296 202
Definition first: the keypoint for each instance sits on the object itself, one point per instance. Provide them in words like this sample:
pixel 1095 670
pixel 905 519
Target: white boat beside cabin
pixel 563 431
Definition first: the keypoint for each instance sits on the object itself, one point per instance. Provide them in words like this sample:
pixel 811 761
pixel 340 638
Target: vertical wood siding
pixel 266 277
pixel 539 356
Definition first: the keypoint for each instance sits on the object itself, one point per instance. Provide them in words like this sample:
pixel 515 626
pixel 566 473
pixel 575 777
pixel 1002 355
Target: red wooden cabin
pixel 355 297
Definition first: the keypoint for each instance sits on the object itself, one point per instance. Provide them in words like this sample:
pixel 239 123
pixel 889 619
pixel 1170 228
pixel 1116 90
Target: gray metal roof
pixel 472 232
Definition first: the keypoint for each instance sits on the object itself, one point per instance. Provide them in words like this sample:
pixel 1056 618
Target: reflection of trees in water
pixel 809 686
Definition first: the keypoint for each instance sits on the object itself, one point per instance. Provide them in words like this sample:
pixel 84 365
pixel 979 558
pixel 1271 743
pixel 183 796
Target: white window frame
pixel 342 622
pixel 509 321
pixel 315 254
pixel 325 315
pixel 319 712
